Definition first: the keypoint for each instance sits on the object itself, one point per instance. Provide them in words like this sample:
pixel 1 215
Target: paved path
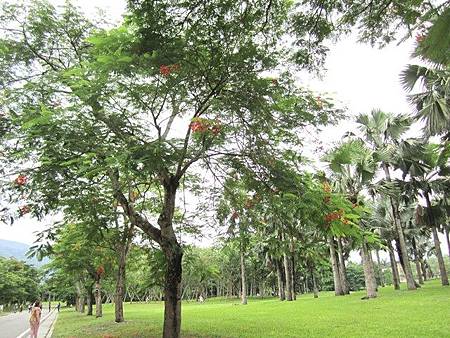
pixel 16 325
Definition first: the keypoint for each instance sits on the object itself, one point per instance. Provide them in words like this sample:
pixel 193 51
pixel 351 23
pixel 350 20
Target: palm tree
pixel 433 101
pixel 432 104
pixel 353 169
pixel 381 131
pixel 382 219
pixel 423 172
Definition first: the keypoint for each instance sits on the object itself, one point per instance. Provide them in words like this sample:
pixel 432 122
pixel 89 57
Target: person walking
pixel 35 319
pixel 58 306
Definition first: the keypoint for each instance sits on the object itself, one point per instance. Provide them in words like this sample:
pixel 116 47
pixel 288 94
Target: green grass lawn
pixel 421 313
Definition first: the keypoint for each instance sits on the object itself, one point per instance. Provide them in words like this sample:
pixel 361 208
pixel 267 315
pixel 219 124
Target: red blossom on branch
pixel 25 209
pixel 165 70
pixel 21 180
pixel 420 37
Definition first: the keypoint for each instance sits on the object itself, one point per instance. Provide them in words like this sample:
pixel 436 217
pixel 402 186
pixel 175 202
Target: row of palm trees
pixel 405 179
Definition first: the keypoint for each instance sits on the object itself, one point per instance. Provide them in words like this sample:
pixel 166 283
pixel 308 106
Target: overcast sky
pixel 360 77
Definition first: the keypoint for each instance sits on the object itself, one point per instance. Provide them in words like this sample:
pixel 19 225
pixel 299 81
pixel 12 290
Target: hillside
pixel 18 250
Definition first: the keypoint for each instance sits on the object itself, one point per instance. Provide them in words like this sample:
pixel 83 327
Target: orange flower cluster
pixel 333 216
pixel 100 270
pixel 199 125
pixel 326 187
pixel 165 70
pixel 21 180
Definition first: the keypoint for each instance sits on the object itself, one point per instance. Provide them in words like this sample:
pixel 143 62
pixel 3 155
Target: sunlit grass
pixel 421 313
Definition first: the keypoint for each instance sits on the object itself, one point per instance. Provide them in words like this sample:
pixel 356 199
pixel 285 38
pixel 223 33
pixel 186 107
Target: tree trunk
pixel 440 258
pixel 423 269
pixel 437 244
pixel 98 298
pixel 90 302
pixel 342 270
pixel 288 274
pixel 380 270
pixel 82 303
pixel 430 272
pixel 294 276
pixel 395 274
pixel 243 282
pixel 315 289
pixel 417 261
pixel 280 277
pixel 338 290
pixel 447 238
pixel 172 290
pixel 120 283
pixel 411 284
pixel 369 272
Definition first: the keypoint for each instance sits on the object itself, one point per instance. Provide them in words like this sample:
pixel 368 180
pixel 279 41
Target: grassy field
pixel 422 313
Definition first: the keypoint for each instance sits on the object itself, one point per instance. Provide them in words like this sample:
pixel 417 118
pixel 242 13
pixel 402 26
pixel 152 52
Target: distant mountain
pixel 18 250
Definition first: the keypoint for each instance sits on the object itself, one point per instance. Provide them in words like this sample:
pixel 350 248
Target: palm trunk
pixel 338 290
pixel 369 272
pixel 447 238
pixel 395 274
pixel 398 227
pixel 342 270
pixel 288 274
pixel 430 272
pixel 98 298
pixel 281 293
pixel 293 273
pixel 437 244
pixel 379 269
pixel 417 261
pixel 440 258
pixel 243 282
